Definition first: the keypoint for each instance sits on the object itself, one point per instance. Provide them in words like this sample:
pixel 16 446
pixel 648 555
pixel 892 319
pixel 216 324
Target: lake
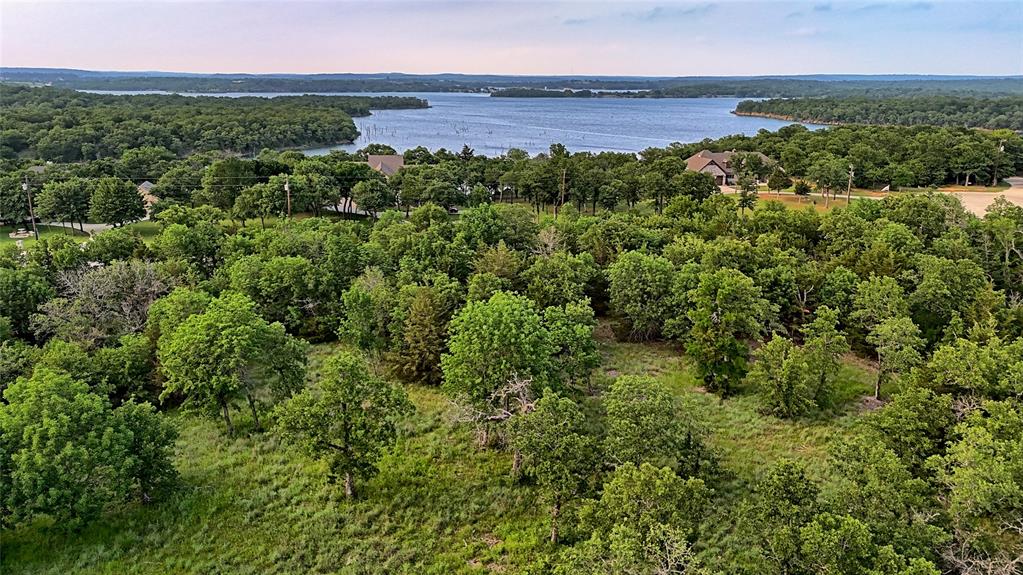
pixel 492 126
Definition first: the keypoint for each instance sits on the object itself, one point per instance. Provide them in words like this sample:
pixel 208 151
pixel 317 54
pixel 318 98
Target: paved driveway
pixel 977 202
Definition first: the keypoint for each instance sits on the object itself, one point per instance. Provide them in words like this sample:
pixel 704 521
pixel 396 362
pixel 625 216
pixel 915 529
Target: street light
pixel 31 212
pixel 848 189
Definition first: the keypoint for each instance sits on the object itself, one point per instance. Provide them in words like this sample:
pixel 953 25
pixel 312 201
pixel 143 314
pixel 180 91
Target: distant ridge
pixel 22 71
pixel 762 86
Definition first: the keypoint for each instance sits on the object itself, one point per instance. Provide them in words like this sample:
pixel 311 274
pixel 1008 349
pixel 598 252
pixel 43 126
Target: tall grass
pixel 439 505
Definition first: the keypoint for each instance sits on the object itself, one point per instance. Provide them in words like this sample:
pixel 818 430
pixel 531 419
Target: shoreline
pixel 788 118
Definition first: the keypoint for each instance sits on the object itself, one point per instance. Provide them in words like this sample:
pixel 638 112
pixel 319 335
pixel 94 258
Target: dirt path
pixel 977 202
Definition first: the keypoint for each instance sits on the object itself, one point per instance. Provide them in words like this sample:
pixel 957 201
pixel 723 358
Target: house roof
pixel 145 190
pixel 387 164
pixel 703 158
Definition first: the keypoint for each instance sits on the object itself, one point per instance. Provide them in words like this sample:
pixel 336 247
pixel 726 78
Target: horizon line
pixel 470 74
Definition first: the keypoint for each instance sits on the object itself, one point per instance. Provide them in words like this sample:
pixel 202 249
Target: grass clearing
pixel 798 203
pixel 45 231
pixel 147 229
pixel 439 505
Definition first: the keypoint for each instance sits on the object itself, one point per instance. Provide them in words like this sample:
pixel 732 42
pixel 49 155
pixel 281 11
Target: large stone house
pixel 717 164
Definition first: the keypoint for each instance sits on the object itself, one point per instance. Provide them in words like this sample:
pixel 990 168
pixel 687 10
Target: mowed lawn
pixel 44 232
pixel 439 504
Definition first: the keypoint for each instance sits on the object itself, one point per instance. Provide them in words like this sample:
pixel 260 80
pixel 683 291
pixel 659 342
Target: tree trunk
pixel 555 511
pixel 349 485
pixel 255 415
pixel 227 417
pixel 517 464
pixel 877 384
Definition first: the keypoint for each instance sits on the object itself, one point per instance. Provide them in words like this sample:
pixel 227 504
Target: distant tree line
pixel 934 110
pixel 879 156
pixel 680 87
pixel 67 126
pixel 777 88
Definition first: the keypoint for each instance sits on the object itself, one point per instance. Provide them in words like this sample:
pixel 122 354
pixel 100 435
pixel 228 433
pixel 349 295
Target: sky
pixel 666 38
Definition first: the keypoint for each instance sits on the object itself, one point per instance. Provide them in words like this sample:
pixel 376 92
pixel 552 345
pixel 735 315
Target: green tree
pixel 874 486
pixel 571 329
pixel 224 180
pixel 697 186
pixel 648 423
pixel 982 476
pixel 115 244
pixel 144 163
pixel 115 202
pixel 876 300
pixel 423 335
pixel 778 181
pixel 916 424
pixel 646 499
pixel 836 544
pixel 897 343
pixel 13 200
pixel 348 420
pixel 226 353
pixel 640 288
pixel 493 342
pixel 560 278
pixel 823 347
pixel 558 452
pixel 367 307
pixel 68 455
pixel 372 196
pixel 747 185
pixel 170 311
pixel 783 502
pixel 64 201
pixel 727 307
pixel 284 288
pixel 780 373
pixel 178 183
pixel 198 245
pixel 966 367
pixel 828 173
pixel 802 189
pixel 21 294
pixel 127 368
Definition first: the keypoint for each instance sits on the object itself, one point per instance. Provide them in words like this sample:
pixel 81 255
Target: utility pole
pixel 998 162
pixel 31 211
pixel 287 192
pixel 564 174
pixel 848 189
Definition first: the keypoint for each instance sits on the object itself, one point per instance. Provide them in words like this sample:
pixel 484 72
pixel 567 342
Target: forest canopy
pixel 67 126
pixel 951 111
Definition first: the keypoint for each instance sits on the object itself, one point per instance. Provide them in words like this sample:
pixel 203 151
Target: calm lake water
pixel 492 126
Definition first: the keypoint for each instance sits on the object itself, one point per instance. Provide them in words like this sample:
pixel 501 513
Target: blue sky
pixel 508 37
